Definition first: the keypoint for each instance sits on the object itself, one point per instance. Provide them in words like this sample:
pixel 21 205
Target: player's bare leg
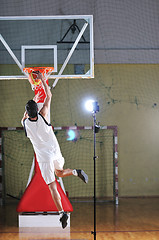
pixel 57 200
pixel 55 195
pixel 68 172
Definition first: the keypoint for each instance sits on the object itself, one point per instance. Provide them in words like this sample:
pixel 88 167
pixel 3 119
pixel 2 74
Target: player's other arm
pixel 46 107
pixel 24 117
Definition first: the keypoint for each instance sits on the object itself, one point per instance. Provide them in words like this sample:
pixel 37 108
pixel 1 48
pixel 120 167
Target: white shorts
pixel 48 169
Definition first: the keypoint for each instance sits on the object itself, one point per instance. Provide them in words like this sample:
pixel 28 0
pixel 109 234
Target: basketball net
pixel 39 89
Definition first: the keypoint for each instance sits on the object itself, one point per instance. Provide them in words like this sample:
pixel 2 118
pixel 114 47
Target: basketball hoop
pixel 36 84
pixel 32 73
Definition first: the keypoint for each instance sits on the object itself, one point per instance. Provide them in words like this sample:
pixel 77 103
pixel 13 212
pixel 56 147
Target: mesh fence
pixel 18 157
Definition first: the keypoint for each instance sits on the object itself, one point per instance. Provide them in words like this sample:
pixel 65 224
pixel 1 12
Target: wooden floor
pixel 134 218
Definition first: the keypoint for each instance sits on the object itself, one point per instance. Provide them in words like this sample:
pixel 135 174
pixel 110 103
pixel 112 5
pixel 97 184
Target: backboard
pixel 63 42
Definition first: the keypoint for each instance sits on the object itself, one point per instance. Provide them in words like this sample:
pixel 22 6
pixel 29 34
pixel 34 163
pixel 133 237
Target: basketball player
pixel 46 147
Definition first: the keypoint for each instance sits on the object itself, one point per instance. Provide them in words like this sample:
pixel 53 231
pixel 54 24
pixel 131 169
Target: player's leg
pixel 57 200
pixel 64 172
pixel 75 172
pixel 47 171
pixel 60 172
pixel 55 195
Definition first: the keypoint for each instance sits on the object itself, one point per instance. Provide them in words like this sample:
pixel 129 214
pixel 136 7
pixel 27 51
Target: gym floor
pixel 133 218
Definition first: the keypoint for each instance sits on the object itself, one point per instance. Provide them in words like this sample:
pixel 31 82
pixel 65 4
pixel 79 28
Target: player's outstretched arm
pixel 46 107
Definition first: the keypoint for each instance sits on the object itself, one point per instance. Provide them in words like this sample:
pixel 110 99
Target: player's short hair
pixel 32 108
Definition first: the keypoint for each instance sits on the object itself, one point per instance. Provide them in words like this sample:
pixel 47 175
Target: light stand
pixel 95 130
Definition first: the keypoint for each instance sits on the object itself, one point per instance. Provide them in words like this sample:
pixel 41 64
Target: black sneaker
pixel 82 175
pixel 63 220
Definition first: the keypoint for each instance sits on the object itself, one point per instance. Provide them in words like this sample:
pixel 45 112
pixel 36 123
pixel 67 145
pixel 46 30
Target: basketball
pixel 33 78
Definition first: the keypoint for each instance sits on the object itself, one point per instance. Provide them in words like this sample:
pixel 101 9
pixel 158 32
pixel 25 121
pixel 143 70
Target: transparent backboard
pixel 62 42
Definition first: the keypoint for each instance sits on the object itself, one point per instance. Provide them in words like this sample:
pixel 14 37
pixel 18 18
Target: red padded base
pixel 37 196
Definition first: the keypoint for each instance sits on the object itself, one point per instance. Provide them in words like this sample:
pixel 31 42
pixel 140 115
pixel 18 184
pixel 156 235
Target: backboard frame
pixel 89 21
pixel 24 48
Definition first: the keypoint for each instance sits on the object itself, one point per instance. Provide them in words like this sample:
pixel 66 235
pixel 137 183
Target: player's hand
pixel 39 75
pixel 25 114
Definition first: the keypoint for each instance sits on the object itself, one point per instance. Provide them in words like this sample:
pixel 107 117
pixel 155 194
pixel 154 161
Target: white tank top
pixel 43 139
